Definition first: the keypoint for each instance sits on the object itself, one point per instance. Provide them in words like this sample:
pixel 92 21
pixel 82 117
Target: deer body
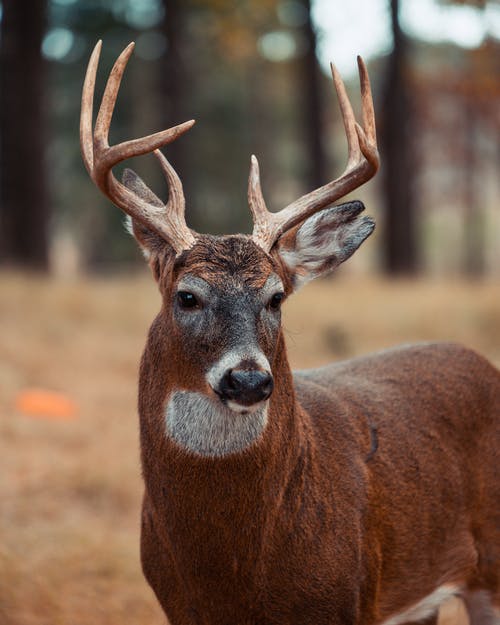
pixel 364 493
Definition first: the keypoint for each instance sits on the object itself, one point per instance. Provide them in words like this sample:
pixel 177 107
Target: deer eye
pixel 187 299
pixel 275 301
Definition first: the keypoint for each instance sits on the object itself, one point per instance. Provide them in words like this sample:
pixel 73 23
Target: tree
pixel 398 173
pixel 173 81
pixel 23 188
pixel 313 107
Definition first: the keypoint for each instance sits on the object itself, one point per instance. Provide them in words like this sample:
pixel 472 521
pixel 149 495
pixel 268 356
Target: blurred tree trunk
pixel 173 84
pixel 398 159
pixel 474 263
pixel 23 184
pixel 310 87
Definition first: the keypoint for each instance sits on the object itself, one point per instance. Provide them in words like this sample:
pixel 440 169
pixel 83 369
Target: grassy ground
pixel 70 489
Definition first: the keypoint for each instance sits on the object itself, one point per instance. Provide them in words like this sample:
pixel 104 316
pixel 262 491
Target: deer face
pixel 220 324
pixel 224 303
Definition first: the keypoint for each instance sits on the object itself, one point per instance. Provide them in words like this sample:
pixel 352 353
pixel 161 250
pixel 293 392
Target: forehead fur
pixel 217 258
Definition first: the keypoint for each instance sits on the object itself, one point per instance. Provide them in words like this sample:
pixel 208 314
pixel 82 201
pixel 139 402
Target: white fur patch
pixel 426 607
pixel 208 428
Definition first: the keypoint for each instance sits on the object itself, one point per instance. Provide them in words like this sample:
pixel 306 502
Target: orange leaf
pixel 45 405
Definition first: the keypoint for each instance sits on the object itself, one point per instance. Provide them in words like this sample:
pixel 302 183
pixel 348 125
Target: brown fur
pixel 375 481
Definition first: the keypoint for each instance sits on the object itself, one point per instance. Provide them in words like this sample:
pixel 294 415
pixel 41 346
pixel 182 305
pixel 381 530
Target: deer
pixel 365 492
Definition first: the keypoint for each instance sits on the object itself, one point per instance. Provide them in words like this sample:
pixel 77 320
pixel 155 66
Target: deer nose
pixel 246 386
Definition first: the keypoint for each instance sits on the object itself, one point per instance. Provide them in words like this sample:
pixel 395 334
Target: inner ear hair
pixel 136 184
pixel 150 242
pixel 343 214
pixel 323 241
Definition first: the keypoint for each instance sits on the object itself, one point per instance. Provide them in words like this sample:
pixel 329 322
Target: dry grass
pixel 70 490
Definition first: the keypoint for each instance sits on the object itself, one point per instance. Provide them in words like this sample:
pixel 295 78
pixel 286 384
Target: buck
pixel 366 492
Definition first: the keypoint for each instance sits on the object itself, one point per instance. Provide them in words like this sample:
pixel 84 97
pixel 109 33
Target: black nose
pixel 246 386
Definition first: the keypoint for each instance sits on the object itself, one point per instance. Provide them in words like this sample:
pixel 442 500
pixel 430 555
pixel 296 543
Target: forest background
pixel 255 77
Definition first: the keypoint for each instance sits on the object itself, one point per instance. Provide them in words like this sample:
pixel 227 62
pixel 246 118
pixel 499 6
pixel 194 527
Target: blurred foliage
pixel 241 78
pixel 480 4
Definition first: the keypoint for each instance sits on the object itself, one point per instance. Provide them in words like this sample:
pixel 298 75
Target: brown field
pixel 70 489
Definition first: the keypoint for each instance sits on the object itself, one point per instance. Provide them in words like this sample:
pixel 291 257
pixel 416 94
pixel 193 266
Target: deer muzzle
pixel 246 386
pixel 242 381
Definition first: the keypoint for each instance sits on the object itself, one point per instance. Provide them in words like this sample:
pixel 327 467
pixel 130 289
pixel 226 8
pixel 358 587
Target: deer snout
pixel 246 386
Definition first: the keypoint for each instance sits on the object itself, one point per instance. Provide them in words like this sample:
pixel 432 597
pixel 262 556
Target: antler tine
pixel 175 191
pixel 86 140
pixel 175 206
pixel 99 158
pixel 348 118
pixel 362 164
pixel 367 134
pixel 367 102
pixel 256 199
pixel 103 121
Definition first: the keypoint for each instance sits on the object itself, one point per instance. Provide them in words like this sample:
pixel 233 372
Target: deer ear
pixel 323 241
pixel 150 242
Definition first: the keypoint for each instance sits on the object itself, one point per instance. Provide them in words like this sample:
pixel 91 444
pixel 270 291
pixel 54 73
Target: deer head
pixel 222 294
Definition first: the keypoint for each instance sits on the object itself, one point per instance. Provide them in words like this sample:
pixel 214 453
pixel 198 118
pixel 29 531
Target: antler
pixel 99 157
pixel 362 164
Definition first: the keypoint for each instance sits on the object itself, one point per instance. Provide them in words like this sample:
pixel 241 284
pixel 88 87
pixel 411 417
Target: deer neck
pixel 182 479
pixel 197 506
